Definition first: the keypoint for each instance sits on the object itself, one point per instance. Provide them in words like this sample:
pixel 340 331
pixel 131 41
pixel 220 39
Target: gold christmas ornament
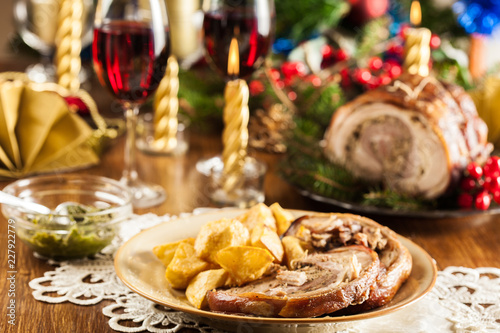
pixel 166 105
pixel 69 44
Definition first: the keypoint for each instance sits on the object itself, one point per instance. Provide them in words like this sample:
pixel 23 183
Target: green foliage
pixel 201 95
pixel 386 198
pixel 298 20
pixel 373 33
pixel 306 167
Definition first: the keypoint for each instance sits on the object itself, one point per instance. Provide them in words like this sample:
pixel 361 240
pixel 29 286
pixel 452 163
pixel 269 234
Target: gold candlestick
pixel 166 105
pixel 69 44
pixel 417 45
pixel 236 116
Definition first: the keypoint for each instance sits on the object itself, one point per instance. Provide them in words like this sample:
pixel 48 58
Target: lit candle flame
pixel 415 13
pixel 233 59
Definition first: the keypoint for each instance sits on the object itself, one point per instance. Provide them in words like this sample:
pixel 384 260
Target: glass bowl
pixel 87 221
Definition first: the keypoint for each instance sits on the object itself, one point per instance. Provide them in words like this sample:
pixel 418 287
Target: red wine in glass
pixel 254 38
pixel 127 61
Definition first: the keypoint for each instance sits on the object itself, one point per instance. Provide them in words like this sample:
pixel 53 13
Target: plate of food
pixel 270 268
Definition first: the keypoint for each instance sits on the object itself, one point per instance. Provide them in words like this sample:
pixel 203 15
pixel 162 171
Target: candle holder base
pixel 249 189
pixel 146 137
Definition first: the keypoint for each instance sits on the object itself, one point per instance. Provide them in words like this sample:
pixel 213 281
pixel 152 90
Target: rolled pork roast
pixel 415 135
pixel 352 264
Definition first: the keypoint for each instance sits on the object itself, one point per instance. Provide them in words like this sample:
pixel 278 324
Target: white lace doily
pixel 463 299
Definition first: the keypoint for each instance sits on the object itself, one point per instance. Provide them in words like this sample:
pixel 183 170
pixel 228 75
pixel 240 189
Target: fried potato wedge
pixel 197 289
pixel 283 218
pixel 259 213
pixel 263 236
pixel 293 250
pixel 165 252
pixel 217 235
pixel 184 266
pixel 244 263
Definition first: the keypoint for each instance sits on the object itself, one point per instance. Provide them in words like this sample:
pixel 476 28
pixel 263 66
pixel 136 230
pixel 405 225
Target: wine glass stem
pixel 130 169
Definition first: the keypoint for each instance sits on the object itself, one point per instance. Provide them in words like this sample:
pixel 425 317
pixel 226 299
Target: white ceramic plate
pixel 141 271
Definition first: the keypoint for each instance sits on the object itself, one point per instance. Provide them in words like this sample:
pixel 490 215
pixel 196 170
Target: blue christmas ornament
pixel 283 45
pixel 478 16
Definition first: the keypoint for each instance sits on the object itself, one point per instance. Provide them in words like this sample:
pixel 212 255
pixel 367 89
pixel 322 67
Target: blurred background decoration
pixel 320 61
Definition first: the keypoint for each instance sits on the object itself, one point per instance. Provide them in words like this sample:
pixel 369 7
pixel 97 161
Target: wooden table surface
pixel 470 241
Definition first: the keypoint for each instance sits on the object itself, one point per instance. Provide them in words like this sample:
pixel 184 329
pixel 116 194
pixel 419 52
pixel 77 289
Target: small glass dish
pixel 87 213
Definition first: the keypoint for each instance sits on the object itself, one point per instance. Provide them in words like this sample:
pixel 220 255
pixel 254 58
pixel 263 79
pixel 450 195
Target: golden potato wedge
pixel 283 218
pixel 184 266
pixel 259 213
pixel 264 237
pixel 217 235
pixel 244 263
pixel 197 289
pixel 293 250
pixel 165 252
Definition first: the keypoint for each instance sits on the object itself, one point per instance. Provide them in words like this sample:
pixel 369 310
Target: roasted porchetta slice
pixel 415 135
pixel 350 261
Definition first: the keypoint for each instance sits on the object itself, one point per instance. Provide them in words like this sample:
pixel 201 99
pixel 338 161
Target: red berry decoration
pixel 468 184
pixel 256 87
pixel 341 55
pixel 385 79
pixel 435 42
pixel 362 75
pixel 496 196
pixel 375 63
pixel 492 183
pixel 492 167
pixel 293 68
pixel 483 200
pixel 465 200
pixel 327 51
pixel 475 170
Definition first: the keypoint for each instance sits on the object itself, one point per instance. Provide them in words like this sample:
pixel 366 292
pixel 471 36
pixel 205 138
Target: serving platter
pixel 369 209
pixel 142 272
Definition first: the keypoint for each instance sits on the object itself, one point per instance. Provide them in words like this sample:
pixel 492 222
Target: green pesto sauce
pixel 80 240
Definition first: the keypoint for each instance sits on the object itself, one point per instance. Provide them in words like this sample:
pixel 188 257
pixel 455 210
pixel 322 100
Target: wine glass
pixel 250 22
pixel 238 36
pixel 36 22
pixel 130 51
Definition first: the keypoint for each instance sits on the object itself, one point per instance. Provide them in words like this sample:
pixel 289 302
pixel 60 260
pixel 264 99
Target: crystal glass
pixel 130 52
pixel 36 22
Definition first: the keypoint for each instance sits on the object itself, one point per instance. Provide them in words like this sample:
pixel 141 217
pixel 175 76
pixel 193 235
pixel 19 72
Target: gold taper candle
pixel 166 106
pixel 417 45
pixel 69 43
pixel 236 115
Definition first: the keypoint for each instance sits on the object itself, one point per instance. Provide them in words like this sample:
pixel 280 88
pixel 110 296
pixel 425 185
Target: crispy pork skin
pixel 415 135
pixel 334 280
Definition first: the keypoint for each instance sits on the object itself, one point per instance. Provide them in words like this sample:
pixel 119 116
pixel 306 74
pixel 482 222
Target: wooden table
pixel 469 241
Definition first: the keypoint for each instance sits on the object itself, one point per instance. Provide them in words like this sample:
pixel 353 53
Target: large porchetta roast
pixel 350 263
pixel 415 135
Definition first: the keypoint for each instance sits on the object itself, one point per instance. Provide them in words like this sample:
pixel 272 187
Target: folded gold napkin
pixel 38 131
